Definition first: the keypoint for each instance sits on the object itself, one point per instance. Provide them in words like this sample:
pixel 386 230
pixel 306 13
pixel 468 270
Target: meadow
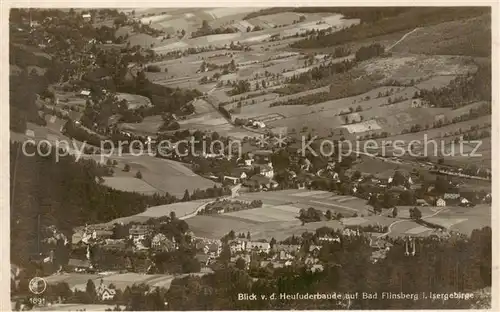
pixel 164 175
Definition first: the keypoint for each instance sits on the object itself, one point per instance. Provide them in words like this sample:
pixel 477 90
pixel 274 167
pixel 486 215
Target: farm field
pixel 217 226
pixel 324 115
pixel 278 215
pixel 162 174
pixel 193 21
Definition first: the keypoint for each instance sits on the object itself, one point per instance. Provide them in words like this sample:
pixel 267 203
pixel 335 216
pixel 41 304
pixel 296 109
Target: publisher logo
pixel 37 285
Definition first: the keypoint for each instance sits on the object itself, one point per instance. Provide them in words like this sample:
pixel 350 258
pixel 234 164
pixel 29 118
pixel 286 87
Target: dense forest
pixel 65 194
pixel 441 266
pixel 378 23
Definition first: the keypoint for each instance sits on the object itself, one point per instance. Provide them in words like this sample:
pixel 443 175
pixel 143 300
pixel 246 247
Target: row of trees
pixel 229 206
pixel 212 192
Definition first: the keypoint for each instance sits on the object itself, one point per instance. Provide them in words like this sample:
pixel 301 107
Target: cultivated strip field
pixel 277 217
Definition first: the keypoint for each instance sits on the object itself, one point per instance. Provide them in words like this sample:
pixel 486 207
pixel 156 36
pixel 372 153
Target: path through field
pixel 402 38
pixel 405 220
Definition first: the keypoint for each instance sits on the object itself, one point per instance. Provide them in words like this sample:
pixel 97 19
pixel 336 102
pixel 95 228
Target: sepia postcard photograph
pixel 249 158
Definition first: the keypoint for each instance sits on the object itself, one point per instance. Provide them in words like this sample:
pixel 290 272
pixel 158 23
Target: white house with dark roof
pixel 440 202
pixel 105 293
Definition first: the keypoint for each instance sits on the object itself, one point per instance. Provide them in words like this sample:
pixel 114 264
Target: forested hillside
pixel 65 194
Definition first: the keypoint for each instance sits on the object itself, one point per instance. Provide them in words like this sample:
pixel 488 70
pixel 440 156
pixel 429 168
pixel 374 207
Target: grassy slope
pixel 416 17
pixel 463 37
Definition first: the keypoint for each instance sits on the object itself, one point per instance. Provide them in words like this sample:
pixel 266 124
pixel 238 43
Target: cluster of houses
pixel 138 237
pixel 256 171
pixel 453 199
pixel 275 256
pixel 208 249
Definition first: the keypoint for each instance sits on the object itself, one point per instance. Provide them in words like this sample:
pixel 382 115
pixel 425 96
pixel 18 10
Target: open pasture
pixel 217 226
pixel 476 218
pixel 210 119
pixel 130 184
pixel 281 231
pixel 435 82
pixel 148 126
pixel 202 107
pixel 134 101
pixel 462 220
pixel 144 40
pixel 268 213
pixel 162 174
pixel 321 200
pixel 277 217
pixel 181 209
pixel 445 222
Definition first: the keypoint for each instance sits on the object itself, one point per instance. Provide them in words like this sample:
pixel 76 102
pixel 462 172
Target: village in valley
pixel 212 152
